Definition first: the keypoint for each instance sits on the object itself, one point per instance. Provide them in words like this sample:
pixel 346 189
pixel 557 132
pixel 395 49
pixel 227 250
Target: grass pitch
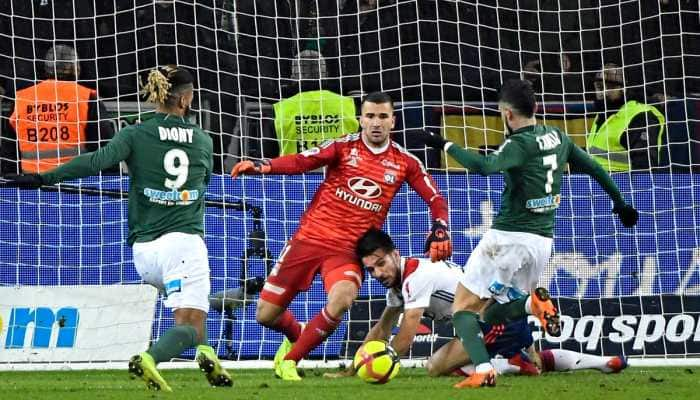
pixel 633 383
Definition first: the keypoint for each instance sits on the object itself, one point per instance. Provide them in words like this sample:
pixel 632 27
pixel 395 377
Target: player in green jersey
pixel 507 262
pixel 170 163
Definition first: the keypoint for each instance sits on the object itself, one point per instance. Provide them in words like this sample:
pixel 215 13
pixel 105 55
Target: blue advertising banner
pixel 62 238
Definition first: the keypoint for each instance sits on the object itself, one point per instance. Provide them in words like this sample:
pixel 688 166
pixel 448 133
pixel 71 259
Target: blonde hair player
pixel 170 163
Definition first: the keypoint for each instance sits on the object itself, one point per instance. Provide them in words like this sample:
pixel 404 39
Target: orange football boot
pixel 543 308
pixel 476 380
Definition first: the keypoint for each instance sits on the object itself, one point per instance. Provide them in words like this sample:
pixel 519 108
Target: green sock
pixel 466 325
pixel 502 313
pixel 173 342
pixel 205 335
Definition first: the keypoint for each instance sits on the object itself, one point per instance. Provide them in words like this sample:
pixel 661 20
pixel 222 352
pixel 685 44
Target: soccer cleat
pixel 210 365
pixel 287 371
pixel 476 380
pixel 527 367
pixel 143 366
pixel 543 308
pixel 282 351
pixel 615 365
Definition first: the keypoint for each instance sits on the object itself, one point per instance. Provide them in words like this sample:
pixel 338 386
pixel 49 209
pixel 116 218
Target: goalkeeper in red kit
pixel 363 174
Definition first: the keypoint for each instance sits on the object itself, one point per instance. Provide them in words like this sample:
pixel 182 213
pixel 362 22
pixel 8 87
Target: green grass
pixel 633 383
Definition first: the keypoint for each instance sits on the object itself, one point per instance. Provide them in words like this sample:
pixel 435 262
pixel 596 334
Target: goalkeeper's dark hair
pixel 378 98
pixel 166 84
pixel 372 240
pixel 519 95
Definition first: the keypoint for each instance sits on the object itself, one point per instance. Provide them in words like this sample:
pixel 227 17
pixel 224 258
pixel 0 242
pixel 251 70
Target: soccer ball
pixel 376 362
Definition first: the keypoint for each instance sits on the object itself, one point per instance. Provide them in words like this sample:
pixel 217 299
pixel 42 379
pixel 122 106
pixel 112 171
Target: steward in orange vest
pixel 57 119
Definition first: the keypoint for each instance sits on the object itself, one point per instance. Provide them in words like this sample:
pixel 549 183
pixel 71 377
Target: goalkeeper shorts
pixel 298 264
pixel 178 265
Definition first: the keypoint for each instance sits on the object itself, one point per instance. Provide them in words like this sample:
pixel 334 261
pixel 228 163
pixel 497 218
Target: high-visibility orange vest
pixel 50 119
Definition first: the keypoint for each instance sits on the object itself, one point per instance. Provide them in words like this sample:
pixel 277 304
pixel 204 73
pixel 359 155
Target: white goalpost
pixel 70 297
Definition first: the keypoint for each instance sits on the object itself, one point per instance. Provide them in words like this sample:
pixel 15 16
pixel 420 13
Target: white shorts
pixel 506 265
pixel 178 265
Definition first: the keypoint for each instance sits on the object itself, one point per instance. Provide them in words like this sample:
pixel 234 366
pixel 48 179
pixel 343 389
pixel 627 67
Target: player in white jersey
pixel 419 287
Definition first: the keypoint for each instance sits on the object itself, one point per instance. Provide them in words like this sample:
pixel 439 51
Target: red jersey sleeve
pixel 325 154
pixel 419 179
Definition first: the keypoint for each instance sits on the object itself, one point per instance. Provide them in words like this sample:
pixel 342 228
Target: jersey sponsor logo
pixel 390 164
pixel 365 188
pixel 176 134
pixel 497 288
pixel 173 286
pixel 543 204
pixel 357 201
pixel 173 197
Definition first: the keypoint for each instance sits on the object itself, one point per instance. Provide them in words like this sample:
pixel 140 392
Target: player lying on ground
pixel 532 362
pixel 170 163
pixel 418 287
pixel 363 174
pixel 509 259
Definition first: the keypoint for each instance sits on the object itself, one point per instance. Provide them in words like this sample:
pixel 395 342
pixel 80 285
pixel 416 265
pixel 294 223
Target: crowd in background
pixel 416 50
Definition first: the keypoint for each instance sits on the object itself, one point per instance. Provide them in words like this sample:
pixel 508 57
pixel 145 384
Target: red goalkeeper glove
pixel 438 244
pixel 248 167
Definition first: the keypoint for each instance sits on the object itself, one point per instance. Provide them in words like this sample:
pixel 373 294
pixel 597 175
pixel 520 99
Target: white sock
pixel 468 369
pixel 483 368
pixel 503 367
pixel 566 360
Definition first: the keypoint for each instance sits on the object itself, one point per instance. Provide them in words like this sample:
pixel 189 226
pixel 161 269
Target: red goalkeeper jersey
pixel 357 192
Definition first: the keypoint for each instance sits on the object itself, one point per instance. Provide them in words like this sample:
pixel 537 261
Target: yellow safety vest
pixel 603 141
pixel 305 120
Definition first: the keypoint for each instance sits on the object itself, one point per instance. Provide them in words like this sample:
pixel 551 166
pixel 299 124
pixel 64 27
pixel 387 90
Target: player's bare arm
pixel 382 329
pixel 407 330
